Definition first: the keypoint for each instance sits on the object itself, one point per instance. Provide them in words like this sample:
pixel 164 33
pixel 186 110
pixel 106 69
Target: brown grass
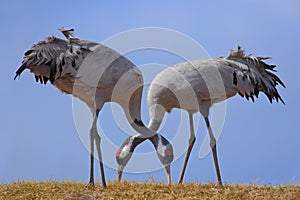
pixel 152 190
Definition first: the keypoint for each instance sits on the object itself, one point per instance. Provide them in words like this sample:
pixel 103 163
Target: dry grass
pixel 133 190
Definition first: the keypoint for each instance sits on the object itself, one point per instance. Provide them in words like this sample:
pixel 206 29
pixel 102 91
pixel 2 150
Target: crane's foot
pixel 90 185
pixel 220 184
pixel 180 179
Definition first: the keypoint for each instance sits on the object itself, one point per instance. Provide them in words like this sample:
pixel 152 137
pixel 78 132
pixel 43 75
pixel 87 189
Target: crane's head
pixel 162 146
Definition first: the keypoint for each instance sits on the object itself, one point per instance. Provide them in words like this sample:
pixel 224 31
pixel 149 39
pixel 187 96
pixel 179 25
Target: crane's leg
pixel 91 183
pixel 95 139
pixel 213 146
pixel 191 144
pixel 98 140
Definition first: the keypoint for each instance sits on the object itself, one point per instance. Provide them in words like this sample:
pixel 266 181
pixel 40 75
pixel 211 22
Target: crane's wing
pixel 96 68
pixel 99 65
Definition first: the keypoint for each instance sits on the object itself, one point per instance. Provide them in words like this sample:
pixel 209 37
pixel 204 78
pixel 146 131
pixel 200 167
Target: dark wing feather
pixel 53 58
pixel 44 52
pixel 251 75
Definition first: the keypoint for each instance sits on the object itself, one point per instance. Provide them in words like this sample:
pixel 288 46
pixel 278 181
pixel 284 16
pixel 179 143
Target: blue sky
pixel 259 142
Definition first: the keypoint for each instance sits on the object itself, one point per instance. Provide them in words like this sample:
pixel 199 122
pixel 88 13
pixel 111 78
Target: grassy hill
pixel 152 190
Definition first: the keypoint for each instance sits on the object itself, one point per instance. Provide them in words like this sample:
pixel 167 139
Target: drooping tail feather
pixel 20 70
pixel 44 53
pixel 252 75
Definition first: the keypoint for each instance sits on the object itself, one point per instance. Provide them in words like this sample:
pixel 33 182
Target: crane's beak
pixel 120 172
pixel 168 173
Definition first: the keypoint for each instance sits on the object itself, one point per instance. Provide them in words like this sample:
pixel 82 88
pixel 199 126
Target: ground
pixel 147 190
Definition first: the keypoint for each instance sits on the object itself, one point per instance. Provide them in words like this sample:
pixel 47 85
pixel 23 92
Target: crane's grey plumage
pixel 196 85
pixel 95 74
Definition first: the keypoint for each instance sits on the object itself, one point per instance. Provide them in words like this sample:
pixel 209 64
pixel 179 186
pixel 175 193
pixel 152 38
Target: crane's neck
pixel 132 109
